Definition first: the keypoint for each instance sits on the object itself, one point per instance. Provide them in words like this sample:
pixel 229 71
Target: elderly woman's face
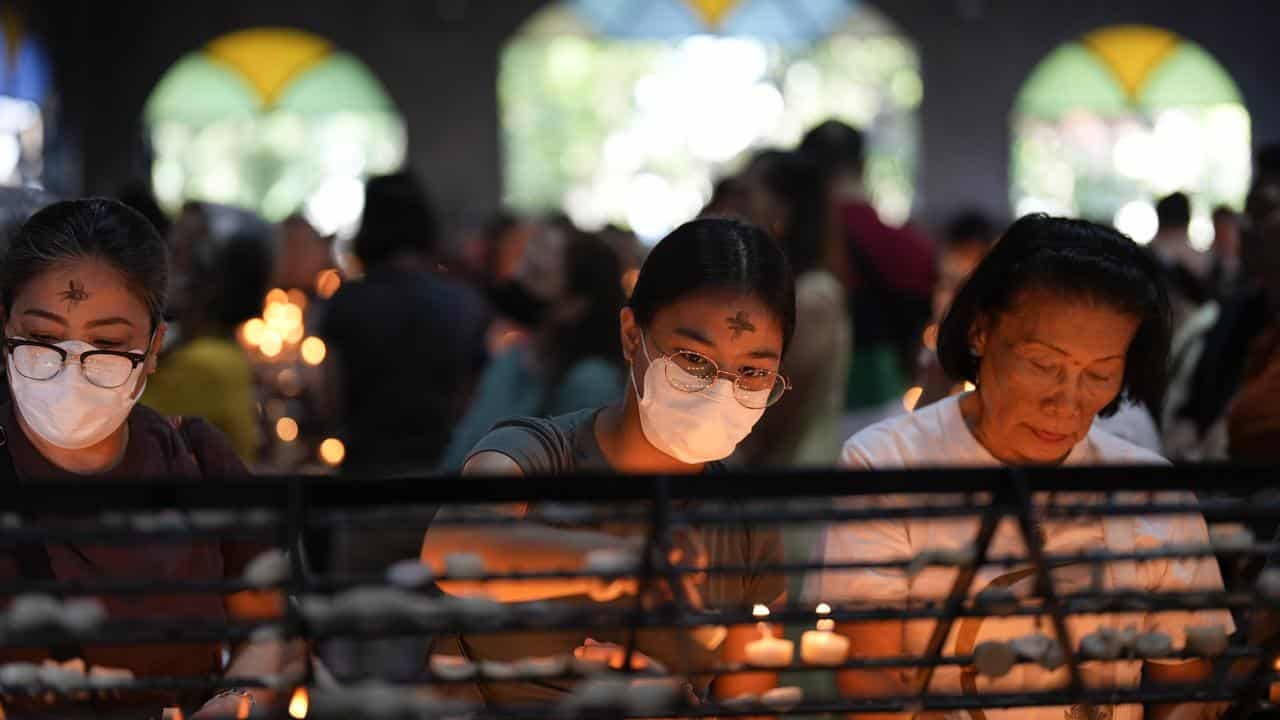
pixel 1047 367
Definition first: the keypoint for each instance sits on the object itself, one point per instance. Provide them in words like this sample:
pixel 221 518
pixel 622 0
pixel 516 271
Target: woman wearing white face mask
pixel 83 288
pixel 704 334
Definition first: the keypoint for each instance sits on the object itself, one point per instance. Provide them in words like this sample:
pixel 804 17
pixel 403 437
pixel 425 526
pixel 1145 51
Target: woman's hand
pixel 615 656
pixel 224 705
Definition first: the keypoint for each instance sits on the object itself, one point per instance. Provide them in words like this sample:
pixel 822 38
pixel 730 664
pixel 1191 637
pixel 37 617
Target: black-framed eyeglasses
pixel 108 369
pixel 692 372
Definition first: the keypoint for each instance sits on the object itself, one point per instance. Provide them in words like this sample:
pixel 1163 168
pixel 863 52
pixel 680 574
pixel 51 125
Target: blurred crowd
pixel 396 350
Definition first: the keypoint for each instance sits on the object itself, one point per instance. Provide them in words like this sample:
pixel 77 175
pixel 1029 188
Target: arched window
pixel 626 111
pixel 25 90
pixel 276 121
pixel 1106 125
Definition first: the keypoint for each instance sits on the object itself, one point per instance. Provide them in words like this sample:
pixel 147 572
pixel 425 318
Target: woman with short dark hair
pixel 83 287
pixel 1059 322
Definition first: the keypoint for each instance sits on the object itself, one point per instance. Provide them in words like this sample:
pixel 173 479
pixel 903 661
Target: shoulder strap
pixel 32 558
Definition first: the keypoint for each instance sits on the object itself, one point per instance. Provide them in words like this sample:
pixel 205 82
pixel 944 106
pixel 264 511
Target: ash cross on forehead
pixel 74 293
pixel 740 323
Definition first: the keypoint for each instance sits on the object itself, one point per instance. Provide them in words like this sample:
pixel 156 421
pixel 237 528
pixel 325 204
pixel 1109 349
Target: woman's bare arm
pixel 521 547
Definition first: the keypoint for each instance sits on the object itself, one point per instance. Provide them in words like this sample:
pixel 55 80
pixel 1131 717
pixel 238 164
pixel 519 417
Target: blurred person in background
pixel 223 264
pixel 16 205
pixel 303 254
pixel 572 360
pixel 968 237
pixel 532 275
pixel 83 288
pixel 1253 420
pixel 1186 268
pixel 408 346
pixel 784 195
pixel 1211 351
pixel 888 272
pixel 408 343
pixel 1224 273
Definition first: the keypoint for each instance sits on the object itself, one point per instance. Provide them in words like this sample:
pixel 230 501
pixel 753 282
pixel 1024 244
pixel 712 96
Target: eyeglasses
pixel 108 369
pixel 693 372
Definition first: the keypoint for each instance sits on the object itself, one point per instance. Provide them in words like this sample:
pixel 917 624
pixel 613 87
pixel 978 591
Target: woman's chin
pixel 1044 447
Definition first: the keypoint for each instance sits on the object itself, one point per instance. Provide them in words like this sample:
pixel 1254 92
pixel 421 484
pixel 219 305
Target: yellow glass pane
pixel 712 12
pixel 1131 52
pixel 269 58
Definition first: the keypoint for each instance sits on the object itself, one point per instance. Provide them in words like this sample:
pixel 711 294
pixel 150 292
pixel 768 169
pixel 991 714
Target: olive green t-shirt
pixel 567 444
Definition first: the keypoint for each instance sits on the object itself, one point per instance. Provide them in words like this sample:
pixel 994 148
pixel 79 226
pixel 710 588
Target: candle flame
pixel 969 387
pixel 298 704
pixel 760 611
pixel 1277 664
pixel 823 609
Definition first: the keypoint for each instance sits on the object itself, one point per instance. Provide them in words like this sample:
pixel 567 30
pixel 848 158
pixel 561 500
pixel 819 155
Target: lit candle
pixel 823 646
pixel 768 651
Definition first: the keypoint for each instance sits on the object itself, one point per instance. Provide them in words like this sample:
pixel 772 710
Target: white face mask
pixel 68 411
pixel 693 428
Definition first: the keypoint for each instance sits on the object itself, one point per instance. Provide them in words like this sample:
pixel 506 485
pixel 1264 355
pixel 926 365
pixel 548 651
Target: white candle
pixel 823 646
pixel 768 651
pixel 783 699
pixel 463 566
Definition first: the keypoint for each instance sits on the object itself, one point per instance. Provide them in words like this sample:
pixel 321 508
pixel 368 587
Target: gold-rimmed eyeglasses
pixel 692 372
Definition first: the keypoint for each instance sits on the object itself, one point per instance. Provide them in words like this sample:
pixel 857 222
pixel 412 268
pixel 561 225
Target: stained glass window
pixel 627 111
pixel 1106 125
pixel 276 121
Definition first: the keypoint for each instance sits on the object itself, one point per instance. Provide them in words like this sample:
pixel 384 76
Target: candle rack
pixel 369 607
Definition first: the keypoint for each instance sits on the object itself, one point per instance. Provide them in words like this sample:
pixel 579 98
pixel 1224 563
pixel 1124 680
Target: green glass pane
pixel 338 83
pixel 1188 77
pixel 198 91
pixel 1070 78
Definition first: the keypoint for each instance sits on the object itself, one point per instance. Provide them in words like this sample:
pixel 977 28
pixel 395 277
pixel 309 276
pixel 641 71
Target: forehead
pixel 721 312
pixel 1047 317
pixel 83 286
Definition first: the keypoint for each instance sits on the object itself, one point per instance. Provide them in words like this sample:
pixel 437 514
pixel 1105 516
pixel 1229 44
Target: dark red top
pixel 903 256
pixel 155 450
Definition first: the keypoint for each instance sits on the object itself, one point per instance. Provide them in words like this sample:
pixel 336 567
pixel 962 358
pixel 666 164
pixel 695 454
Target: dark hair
pixel 593 274
pixel 397 218
pixel 1076 259
pixel 1225 212
pixel 716 254
pixel 91 228
pixel 797 183
pixel 1267 164
pixel 1173 211
pixel 242 275
pixel 836 147
pixel 970 227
